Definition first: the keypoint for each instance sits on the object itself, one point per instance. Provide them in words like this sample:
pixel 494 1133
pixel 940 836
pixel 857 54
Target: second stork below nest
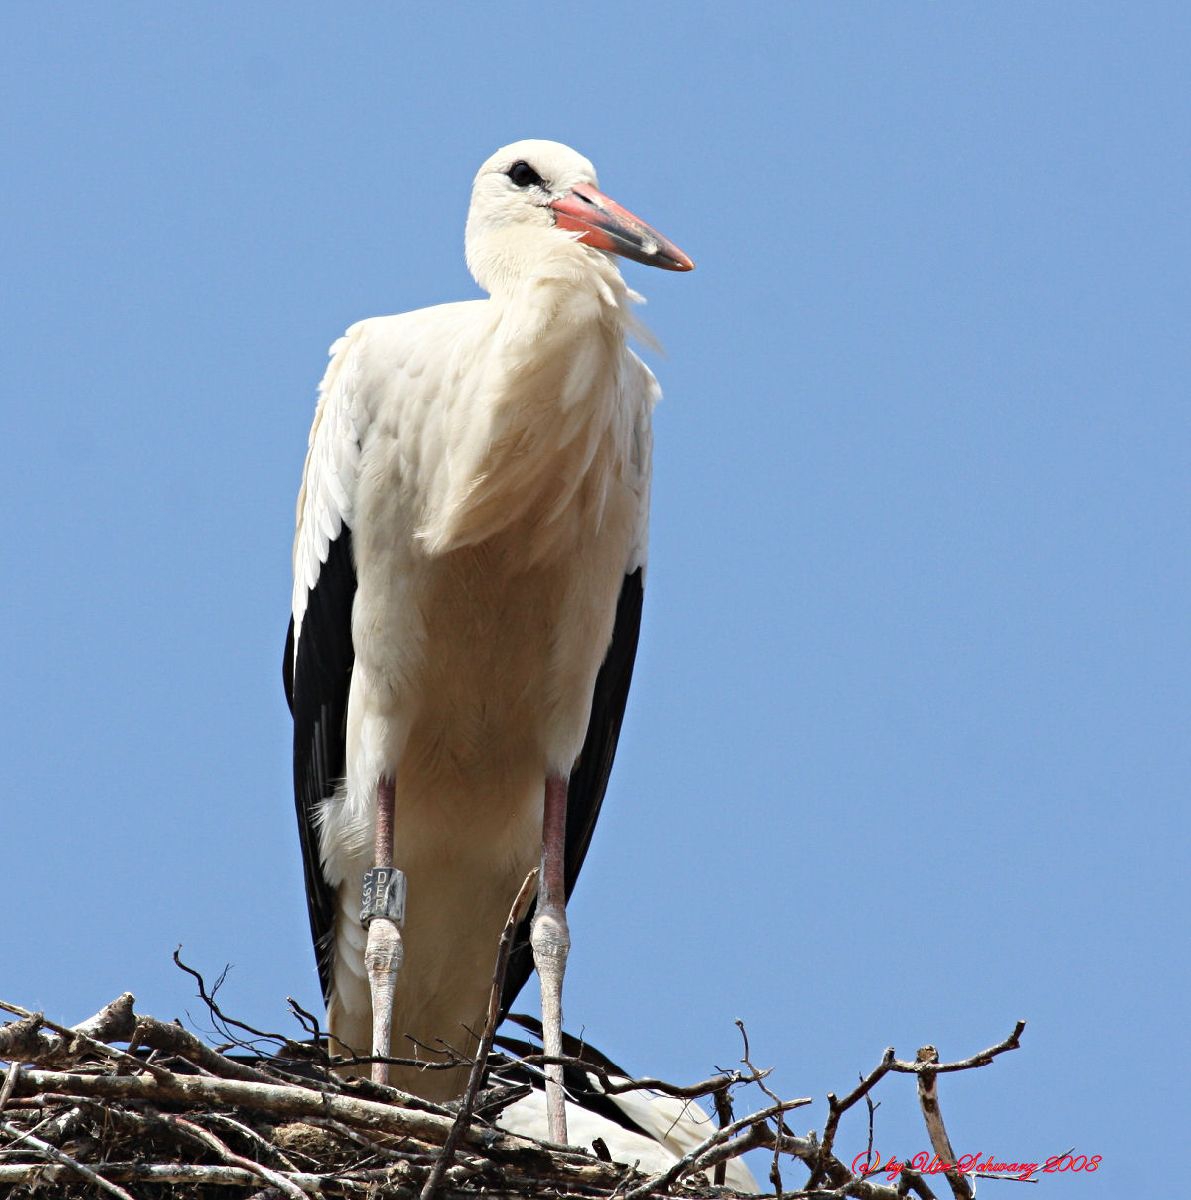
pixel 647 1129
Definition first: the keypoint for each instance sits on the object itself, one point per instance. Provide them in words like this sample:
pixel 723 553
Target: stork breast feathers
pixel 541 424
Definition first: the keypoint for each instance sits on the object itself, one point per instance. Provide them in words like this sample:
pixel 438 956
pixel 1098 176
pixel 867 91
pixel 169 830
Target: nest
pixel 126 1105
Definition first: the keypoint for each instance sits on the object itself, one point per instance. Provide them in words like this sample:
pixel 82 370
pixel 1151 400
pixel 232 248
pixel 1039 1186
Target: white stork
pixel 468 567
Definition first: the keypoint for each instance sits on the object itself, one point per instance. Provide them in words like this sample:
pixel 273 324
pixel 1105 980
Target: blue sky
pixel 907 753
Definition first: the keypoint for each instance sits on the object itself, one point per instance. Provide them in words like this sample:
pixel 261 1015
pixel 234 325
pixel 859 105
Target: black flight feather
pixel 317 682
pixel 589 777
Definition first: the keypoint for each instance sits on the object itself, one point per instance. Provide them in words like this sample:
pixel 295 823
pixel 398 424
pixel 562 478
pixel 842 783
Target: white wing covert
pixel 326 497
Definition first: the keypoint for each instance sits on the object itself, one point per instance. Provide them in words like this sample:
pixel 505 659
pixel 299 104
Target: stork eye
pixel 523 175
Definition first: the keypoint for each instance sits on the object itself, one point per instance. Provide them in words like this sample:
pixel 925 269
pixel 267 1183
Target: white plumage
pixel 667 1129
pixel 474 503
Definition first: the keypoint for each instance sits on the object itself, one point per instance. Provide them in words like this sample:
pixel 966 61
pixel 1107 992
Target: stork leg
pixel 382 910
pixel 551 940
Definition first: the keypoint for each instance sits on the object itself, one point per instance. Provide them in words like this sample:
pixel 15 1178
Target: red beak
pixel 607 226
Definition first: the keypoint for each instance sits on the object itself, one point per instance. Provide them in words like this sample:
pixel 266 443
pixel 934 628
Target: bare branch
pixel 775 1171
pixel 224 1022
pixel 229 1156
pixel 72 1041
pixel 344 1137
pixel 1012 1042
pixel 174 1039
pixel 836 1109
pixel 724 1115
pixel 693 1160
pixel 467 1105
pixel 928 1099
pixel 10 1082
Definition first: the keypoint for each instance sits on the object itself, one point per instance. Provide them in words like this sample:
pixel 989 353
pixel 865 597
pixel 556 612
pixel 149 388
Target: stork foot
pixel 382 961
pixel 550 939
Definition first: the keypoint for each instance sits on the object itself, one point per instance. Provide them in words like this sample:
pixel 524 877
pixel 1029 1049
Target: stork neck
pixel 544 275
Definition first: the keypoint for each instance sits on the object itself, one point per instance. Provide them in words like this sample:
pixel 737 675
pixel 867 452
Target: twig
pixel 845 1183
pixel 836 1109
pixel 450 1059
pixel 723 1114
pixel 914 1182
pixel 23 1040
pixel 775 1173
pixel 229 1156
pixel 307 1020
pixel 692 1160
pixel 10 1082
pixel 616 1085
pixel 928 1099
pixel 508 1149
pixel 227 1023
pixel 467 1105
pixel 422 1153
pixel 251 1135
pixel 759 1136
pixel 57 1129
pixel 1012 1042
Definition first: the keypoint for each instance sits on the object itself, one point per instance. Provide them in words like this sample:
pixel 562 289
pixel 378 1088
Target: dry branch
pixel 86 1118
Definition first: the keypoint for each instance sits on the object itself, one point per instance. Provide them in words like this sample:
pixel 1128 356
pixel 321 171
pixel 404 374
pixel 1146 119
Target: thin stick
pixel 10 1082
pixel 467 1105
pixel 775 1171
pixel 836 1109
pixel 691 1161
pixel 208 998
pixel 723 1113
pixel 613 1084
pixel 229 1156
pixel 1012 1042
pixel 263 1145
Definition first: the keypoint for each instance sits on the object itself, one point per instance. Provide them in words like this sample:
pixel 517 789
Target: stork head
pixel 533 196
